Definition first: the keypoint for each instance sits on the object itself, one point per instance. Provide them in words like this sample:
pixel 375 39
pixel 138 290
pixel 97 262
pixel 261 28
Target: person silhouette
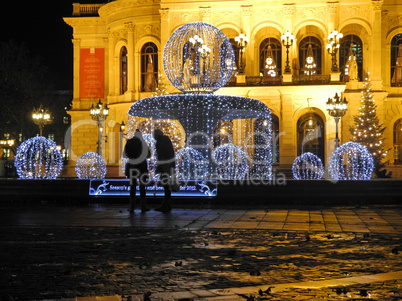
pixel 136 169
pixel 165 166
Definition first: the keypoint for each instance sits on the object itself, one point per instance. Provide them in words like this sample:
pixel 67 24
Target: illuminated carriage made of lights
pixel 198 60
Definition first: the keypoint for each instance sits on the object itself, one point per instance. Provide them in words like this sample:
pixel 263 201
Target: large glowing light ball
pixel 90 166
pixel 351 161
pixel 198 58
pixel 232 162
pixel 191 164
pixel 307 167
pixel 38 158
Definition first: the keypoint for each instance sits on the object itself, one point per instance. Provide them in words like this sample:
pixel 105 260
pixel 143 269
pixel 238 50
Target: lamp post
pixel 6 144
pixel 41 117
pixel 333 46
pixel 287 41
pixel 337 108
pixel 99 113
pixel 241 42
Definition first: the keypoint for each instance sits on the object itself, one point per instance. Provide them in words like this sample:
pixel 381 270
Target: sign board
pixel 92 73
pixel 121 187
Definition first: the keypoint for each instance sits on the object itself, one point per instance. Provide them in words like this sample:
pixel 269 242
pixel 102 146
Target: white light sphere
pixel 38 158
pixel 307 166
pixel 191 164
pixel 198 58
pixel 90 166
pixel 232 162
pixel 351 161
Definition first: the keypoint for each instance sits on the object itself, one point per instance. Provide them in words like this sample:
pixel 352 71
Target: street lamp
pixel 287 41
pixel 241 42
pixel 99 113
pixel 333 46
pixel 6 144
pixel 41 117
pixel 337 109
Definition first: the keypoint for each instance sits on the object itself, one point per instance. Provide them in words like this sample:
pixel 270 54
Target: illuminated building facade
pixel 118 49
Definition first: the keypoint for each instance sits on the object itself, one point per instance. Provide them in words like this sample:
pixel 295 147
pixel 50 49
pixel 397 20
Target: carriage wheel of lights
pixel 191 165
pixel 197 109
pixel 198 58
pixel 90 166
pixel 307 167
pixel 351 161
pixel 38 158
pixel 232 162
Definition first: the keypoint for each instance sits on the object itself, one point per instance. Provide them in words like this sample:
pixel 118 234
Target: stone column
pixel 375 62
pixel 248 52
pixel 287 141
pixel 112 80
pixel 288 11
pixel 130 57
pixel 76 72
pixel 165 34
pixel 333 21
pixel 205 14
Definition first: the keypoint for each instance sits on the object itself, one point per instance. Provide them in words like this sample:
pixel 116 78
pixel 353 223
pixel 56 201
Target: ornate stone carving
pixel 129 26
pixel 332 7
pixel 288 9
pixel 246 10
pixel 350 12
pixel 148 29
pixel 391 21
pixel 319 14
pixel 164 12
pixel 268 14
pixel 205 12
pixel 377 4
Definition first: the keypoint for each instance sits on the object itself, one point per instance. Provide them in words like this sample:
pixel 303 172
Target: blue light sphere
pixel 307 166
pixel 198 58
pixel 38 158
pixel 90 166
pixel 351 161
pixel 191 164
pixel 232 162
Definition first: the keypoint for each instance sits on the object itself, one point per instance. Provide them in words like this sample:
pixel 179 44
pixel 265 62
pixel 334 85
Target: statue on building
pixel 351 65
pixel 150 81
pixel 397 76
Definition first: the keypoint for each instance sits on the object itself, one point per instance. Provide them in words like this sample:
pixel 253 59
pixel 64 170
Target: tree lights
pixel 198 58
pixel 90 166
pixel 38 158
pixel 351 161
pixel 307 166
pixel 367 129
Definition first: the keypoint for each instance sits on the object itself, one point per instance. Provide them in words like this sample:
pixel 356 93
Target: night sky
pixel 40 26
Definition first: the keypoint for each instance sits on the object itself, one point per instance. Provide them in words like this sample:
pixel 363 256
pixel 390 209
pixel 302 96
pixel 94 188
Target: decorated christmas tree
pixel 367 129
pixel 161 87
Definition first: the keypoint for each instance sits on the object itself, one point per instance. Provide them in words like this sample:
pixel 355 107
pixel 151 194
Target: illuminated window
pixel 123 70
pixel 274 46
pixel 316 49
pixel 310 135
pixel 149 67
pixel 396 61
pixel 398 141
pixel 351 43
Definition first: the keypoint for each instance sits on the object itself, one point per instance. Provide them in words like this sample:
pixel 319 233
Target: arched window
pixel 310 135
pixel 123 70
pixel 396 61
pixel 149 67
pixel 351 44
pixel 316 50
pixel 398 142
pixel 270 46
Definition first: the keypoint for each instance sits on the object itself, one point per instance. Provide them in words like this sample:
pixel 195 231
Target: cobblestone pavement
pixel 54 252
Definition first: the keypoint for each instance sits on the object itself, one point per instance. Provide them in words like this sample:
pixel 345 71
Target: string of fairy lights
pixel 351 161
pixel 307 166
pixel 90 166
pixel 38 158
